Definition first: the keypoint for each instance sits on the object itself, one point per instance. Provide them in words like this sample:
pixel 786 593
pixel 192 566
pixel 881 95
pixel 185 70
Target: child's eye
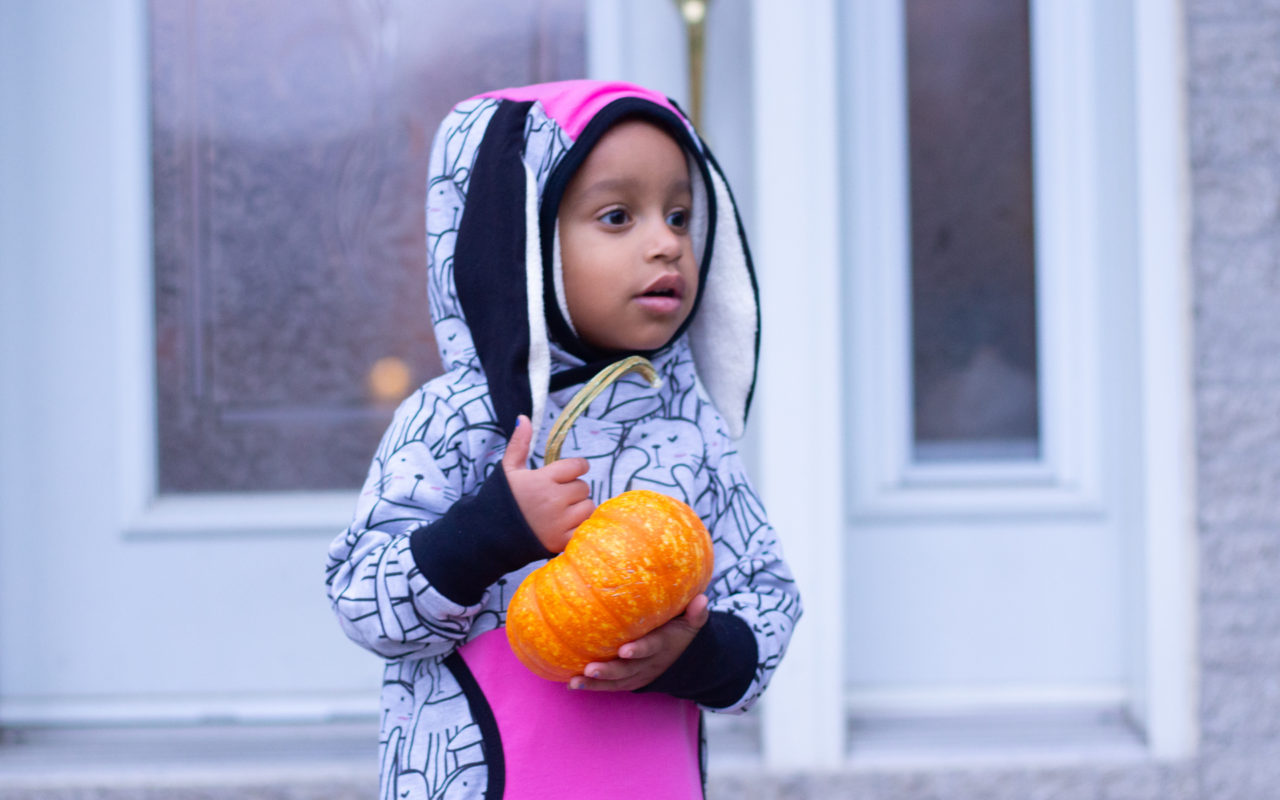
pixel 678 219
pixel 615 216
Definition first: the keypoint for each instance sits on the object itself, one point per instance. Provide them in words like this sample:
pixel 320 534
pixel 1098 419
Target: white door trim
pixel 1168 700
pixel 800 418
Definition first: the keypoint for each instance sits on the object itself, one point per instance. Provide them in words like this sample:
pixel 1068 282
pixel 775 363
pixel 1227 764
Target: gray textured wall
pixel 1234 105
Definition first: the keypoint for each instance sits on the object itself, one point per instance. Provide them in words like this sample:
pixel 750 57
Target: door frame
pixel 796 93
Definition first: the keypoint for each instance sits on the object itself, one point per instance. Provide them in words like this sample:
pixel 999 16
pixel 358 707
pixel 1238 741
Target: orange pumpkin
pixel 631 567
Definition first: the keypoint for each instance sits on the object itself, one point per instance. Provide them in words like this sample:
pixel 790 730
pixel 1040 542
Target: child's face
pixel 630 276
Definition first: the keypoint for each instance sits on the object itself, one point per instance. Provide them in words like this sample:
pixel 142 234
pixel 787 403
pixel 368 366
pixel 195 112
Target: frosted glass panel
pixel 289 151
pixel 972 230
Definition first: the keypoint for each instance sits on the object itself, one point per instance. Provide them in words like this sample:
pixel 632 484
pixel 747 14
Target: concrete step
pixel 307 762
pixel 253 761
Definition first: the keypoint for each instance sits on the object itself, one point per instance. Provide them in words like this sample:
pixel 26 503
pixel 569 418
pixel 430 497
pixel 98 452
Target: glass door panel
pixel 290 145
pixel 973 314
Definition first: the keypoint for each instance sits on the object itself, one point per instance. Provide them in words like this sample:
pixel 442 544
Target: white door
pixel 212 291
pixel 990 360
pixel 985 574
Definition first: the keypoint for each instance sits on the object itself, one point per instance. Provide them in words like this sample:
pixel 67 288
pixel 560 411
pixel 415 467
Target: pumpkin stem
pixel 594 387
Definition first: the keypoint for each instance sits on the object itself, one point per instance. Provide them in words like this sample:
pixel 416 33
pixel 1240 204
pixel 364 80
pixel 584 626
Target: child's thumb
pixel 517 455
pixel 697 613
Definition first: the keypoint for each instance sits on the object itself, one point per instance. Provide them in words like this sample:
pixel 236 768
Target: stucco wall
pixel 1234 106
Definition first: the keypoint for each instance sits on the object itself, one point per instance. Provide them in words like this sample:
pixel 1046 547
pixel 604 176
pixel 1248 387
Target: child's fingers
pixel 678 632
pixel 517 454
pixel 698 612
pixel 652 643
pixel 640 662
pixel 574 492
pixel 605 675
pixel 577 513
pixel 644 647
pixel 570 469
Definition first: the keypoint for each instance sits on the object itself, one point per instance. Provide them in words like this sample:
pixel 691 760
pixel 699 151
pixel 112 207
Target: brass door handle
pixel 694 14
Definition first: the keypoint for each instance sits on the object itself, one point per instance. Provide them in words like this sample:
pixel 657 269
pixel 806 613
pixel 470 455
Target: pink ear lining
pixel 572 104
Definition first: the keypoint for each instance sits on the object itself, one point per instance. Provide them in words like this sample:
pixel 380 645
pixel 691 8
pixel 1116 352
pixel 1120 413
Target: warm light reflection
pixel 390 379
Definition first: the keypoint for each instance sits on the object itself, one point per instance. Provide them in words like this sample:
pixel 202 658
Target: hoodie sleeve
pixel 408 577
pixel 754 602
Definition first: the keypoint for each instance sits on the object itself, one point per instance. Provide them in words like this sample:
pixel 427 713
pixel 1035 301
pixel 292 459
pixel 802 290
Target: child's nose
pixel 664 242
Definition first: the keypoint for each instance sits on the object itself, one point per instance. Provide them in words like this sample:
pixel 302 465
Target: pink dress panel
pixel 562 743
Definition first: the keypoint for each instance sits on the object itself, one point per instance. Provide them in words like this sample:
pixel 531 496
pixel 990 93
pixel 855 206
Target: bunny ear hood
pixel 498 168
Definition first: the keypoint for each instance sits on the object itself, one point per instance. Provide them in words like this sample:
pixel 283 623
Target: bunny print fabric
pixel 436 546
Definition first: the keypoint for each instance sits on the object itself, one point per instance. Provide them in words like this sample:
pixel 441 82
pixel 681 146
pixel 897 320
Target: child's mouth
pixel 667 286
pixel 664 295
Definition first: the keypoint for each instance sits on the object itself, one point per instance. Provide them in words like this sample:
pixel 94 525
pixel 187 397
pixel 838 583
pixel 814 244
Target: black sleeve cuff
pixel 477 541
pixel 718 666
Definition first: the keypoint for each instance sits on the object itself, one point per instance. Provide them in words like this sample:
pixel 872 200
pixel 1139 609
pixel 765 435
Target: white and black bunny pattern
pixel 448 438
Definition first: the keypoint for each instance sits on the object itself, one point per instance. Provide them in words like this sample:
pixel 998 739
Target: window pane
pixel 972 230
pixel 290 146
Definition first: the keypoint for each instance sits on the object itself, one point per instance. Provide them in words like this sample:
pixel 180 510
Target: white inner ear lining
pixel 539 363
pixel 557 277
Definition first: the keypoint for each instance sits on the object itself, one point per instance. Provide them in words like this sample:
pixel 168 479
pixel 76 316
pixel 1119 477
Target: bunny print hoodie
pixel 438 545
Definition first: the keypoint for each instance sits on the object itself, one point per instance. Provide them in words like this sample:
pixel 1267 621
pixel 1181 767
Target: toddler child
pixel 569 225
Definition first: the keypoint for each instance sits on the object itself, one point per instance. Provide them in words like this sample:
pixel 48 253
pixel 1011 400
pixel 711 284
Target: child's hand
pixel 551 498
pixel 640 662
